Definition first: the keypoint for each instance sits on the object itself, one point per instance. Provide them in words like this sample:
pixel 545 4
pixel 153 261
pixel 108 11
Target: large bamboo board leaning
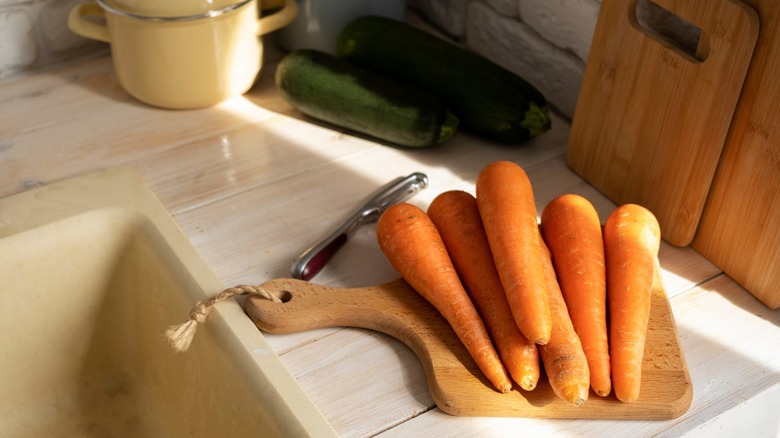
pixel 456 384
pixel 740 225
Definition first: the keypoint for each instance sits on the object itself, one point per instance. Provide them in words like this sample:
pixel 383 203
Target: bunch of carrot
pixel 516 291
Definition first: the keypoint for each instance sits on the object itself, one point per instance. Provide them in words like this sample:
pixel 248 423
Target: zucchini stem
pixel 448 128
pixel 537 120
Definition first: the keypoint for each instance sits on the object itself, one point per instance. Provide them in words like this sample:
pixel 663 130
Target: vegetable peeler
pixel 308 264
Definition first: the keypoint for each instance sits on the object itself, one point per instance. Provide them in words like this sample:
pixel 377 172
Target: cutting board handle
pixel 393 308
pixel 307 306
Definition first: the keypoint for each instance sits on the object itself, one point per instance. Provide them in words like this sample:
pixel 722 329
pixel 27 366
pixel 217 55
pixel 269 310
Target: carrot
pixel 456 216
pixel 414 247
pixel 563 357
pixel 631 241
pixel 506 204
pixel 572 231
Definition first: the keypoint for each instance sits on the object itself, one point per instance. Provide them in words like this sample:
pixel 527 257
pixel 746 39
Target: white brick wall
pixel 569 24
pixel 449 15
pixel 518 47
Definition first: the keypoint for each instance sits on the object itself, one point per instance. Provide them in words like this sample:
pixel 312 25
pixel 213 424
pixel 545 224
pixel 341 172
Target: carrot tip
pixel 579 402
pixel 541 341
pixel 576 395
pixel 528 383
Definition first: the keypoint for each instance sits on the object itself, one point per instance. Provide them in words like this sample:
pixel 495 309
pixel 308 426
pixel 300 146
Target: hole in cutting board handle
pixel 671 30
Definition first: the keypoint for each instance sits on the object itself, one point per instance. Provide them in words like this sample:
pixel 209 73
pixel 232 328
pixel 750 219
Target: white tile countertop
pixel 252 183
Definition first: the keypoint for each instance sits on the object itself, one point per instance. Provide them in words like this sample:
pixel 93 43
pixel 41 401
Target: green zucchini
pixel 488 99
pixel 333 90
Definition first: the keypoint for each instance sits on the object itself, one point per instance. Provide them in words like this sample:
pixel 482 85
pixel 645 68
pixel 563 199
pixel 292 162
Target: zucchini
pixel 333 90
pixel 488 99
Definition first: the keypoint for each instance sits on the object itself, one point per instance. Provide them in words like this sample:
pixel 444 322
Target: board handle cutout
pixel 673 31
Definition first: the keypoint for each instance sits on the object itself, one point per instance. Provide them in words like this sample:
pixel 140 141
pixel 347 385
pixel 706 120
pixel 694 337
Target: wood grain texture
pixel 740 225
pixel 454 381
pixel 651 120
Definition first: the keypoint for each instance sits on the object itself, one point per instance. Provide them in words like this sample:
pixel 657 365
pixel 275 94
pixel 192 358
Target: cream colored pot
pixel 183 61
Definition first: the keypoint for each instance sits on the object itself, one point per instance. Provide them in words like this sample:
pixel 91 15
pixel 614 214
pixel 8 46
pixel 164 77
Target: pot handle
pixel 278 19
pixel 86 28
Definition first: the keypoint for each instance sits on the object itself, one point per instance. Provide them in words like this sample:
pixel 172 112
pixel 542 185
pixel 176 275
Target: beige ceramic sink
pixel 92 271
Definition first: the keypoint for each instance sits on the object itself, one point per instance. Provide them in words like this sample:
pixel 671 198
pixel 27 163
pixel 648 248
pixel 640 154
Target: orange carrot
pixel 456 216
pixel 506 205
pixel 631 241
pixel 572 231
pixel 564 360
pixel 414 247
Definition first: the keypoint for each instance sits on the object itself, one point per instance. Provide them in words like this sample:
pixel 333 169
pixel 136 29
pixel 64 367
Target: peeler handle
pixel 308 264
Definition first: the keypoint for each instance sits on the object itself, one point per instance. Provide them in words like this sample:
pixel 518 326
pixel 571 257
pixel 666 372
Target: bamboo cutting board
pixel 456 384
pixel 651 120
pixel 740 225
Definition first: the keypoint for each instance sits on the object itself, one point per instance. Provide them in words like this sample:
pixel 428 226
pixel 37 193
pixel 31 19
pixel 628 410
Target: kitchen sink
pixel 92 272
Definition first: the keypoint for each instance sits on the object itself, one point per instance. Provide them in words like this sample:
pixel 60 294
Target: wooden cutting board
pixel 740 225
pixel 651 120
pixel 456 384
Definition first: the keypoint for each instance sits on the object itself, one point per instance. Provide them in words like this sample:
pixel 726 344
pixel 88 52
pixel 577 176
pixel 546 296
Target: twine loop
pixel 180 335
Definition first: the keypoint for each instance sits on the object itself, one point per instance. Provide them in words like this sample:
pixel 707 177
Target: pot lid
pixel 170 8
